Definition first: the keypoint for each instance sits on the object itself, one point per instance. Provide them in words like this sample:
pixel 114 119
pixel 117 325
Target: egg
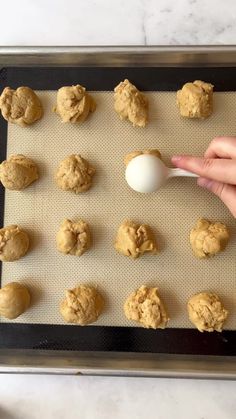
pixel 146 173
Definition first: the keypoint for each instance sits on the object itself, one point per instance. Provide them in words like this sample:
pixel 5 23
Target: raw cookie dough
pixel 206 312
pixel 208 238
pixel 135 239
pixel 195 100
pixel 14 300
pixel 73 238
pixel 21 106
pixel 74 174
pixel 145 307
pixel 18 172
pixel 14 243
pixel 131 104
pixel 82 305
pixel 74 104
pixel 137 153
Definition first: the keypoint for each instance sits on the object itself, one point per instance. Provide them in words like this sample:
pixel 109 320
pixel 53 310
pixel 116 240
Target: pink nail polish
pixel 175 159
pixel 205 183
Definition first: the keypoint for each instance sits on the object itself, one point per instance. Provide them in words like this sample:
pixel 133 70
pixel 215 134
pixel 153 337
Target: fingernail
pixel 175 159
pixel 205 183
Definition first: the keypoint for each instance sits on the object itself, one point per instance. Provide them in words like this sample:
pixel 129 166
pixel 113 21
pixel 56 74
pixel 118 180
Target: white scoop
pixel 147 173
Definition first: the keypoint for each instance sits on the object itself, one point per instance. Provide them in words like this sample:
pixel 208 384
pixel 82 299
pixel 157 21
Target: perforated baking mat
pixel 104 140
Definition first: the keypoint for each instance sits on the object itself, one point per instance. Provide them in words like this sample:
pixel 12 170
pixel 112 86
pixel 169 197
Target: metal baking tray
pixel 116 350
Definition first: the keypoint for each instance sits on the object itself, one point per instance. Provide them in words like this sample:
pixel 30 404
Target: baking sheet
pixel 104 140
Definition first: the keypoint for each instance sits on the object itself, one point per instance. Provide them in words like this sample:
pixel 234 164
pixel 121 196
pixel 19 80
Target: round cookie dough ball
pixel 135 239
pixel 14 300
pixel 206 312
pixel 14 243
pixel 18 172
pixel 207 238
pixel 145 307
pixel 73 238
pixel 131 104
pixel 133 154
pixel 74 104
pixel 82 305
pixel 195 100
pixel 21 106
pixel 74 174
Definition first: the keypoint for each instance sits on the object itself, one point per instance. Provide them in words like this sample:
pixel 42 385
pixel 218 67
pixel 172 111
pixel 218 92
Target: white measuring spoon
pixel 147 173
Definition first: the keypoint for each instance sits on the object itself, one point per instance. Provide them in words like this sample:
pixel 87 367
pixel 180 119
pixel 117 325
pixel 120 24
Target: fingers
pixel 226 193
pixel 217 170
pixel 224 147
pixel 222 170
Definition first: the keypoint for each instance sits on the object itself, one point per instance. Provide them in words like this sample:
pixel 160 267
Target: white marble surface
pixel 117 22
pixel 121 22
pixel 47 397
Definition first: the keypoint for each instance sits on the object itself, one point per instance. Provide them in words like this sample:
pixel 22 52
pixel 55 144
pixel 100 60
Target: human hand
pixel 217 170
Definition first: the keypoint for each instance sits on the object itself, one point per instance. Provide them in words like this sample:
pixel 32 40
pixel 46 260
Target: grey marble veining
pixel 118 22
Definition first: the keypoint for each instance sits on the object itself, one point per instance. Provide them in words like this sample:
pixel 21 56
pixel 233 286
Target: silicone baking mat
pixel 104 140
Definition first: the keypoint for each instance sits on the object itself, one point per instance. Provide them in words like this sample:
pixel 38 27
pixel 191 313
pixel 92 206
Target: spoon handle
pixel 181 172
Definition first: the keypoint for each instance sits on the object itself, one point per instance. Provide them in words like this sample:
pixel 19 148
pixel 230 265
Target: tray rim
pixel 118 56
pixel 118 364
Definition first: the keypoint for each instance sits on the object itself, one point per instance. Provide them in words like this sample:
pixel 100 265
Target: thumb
pixel 227 193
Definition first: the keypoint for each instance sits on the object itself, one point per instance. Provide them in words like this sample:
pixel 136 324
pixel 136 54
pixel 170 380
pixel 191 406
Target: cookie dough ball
pixel 135 239
pixel 21 106
pixel 195 100
pixel 74 104
pixel 206 312
pixel 14 300
pixel 74 174
pixel 145 307
pixel 18 172
pixel 14 243
pixel 207 238
pixel 73 238
pixel 133 154
pixel 131 104
pixel 82 305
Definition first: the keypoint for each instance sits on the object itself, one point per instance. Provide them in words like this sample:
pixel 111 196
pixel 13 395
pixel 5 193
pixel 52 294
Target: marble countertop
pixel 118 22
pixel 77 397
pixel 103 22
